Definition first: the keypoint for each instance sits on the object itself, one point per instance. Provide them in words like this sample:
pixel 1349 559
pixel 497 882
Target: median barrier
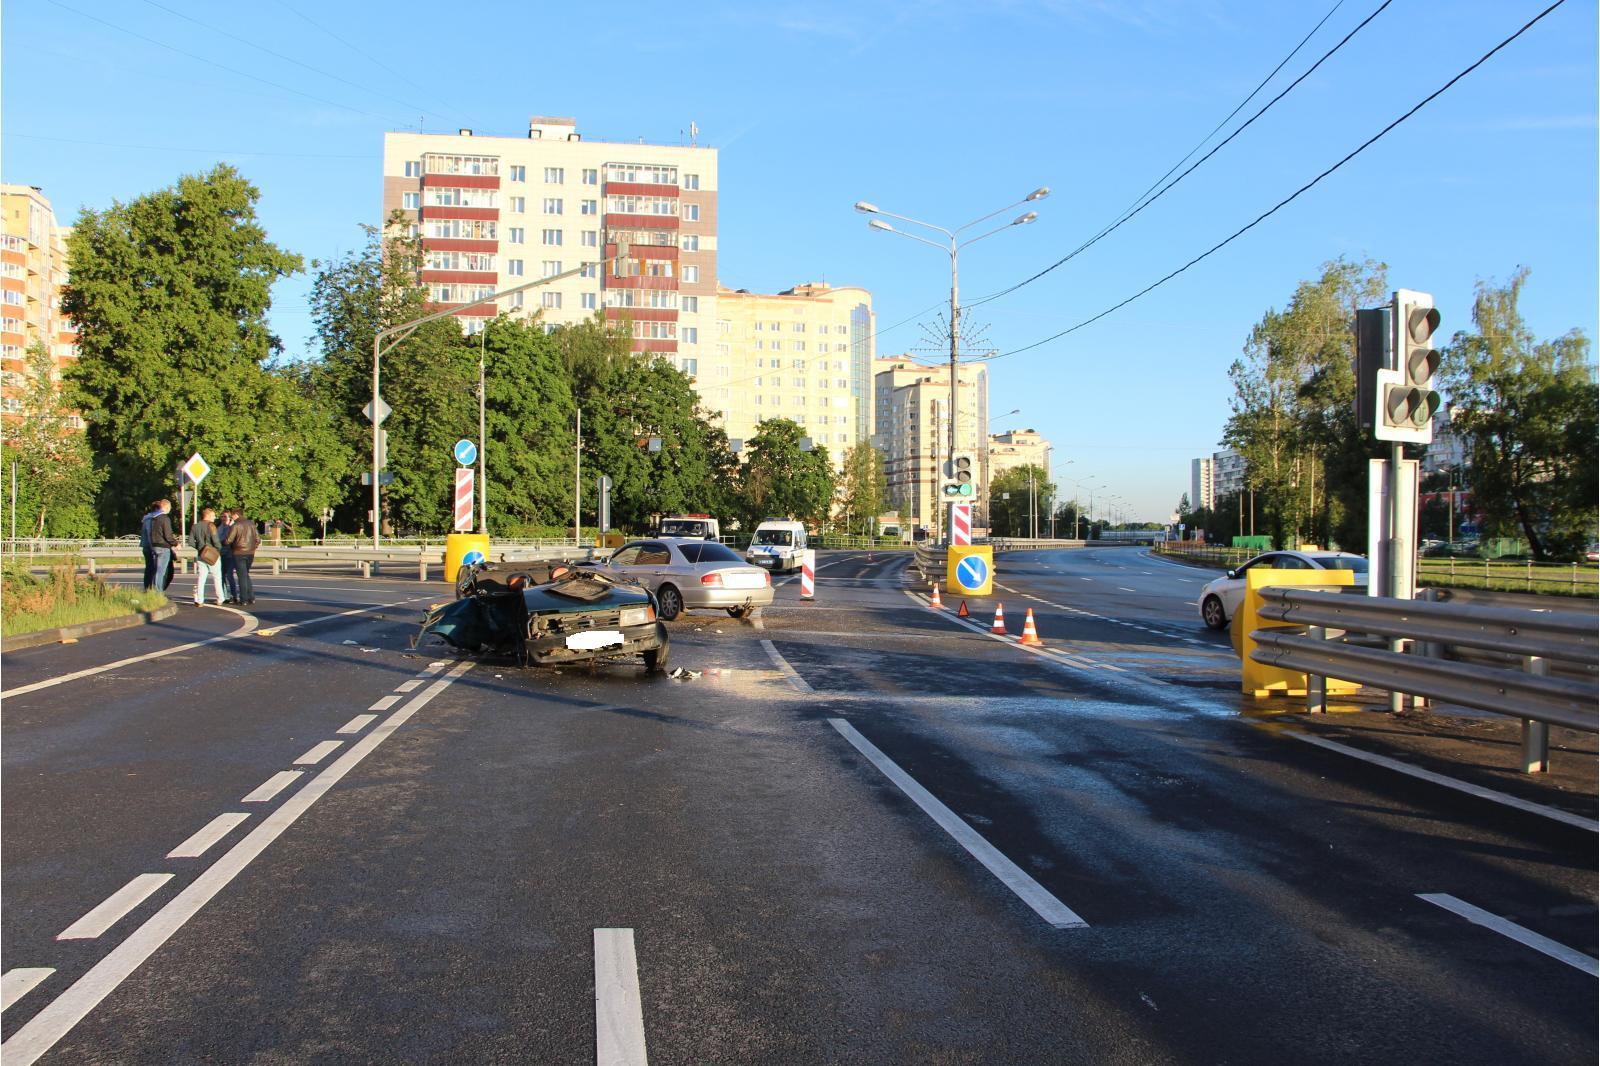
pixel 1260 679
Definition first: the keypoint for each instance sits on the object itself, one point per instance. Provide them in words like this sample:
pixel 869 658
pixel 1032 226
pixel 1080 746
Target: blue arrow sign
pixel 465 452
pixel 972 572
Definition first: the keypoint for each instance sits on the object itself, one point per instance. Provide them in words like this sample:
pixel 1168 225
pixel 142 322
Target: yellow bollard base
pixel 460 548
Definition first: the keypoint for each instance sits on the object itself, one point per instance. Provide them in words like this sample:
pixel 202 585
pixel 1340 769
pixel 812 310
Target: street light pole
pixel 955 244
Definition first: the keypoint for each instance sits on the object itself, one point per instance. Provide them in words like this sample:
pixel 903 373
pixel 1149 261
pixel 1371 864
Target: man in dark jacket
pixel 157 539
pixel 243 540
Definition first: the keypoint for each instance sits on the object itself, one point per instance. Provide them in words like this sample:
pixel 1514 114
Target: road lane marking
pixel 19 982
pixel 1124 588
pixel 209 834
pixel 1449 782
pixel 1031 892
pixel 272 786
pixel 385 703
pixel 114 907
pixel 318 753
pixel 408 686
pixel 788 671
pixel 44 1029
pixel 618 1007
pixel 358 723
pixel 1507 928
pixel 435 666
pixel 249 626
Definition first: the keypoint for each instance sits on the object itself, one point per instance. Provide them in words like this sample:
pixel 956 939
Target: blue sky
pixel 941 110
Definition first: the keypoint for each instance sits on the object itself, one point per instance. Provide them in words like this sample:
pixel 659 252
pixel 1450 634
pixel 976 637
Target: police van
pixel 778 544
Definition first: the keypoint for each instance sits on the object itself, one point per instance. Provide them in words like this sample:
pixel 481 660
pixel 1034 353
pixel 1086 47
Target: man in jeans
pixel 157 539
pixel 243 540
pixel 204 539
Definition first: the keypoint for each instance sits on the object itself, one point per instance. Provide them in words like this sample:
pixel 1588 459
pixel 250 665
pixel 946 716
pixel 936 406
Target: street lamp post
pixel 954 247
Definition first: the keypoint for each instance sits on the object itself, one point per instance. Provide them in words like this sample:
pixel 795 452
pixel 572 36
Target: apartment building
pixel 804 354
pixel 494 212
pixel 1202 497
pixel 33 269
pixel 1227 474
pixel 1017 447
pixel 912 404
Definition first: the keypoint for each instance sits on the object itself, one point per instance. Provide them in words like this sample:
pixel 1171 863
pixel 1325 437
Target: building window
pixel 759 327
pixel 552 300
pixel 550 267
pixel 691 303
pixel 799 346
pixel 554 175
pixel 589 207
pixel 691 242
pixel 587 300
pixel 691 181
pixel 550 237
pixel 519 173
pixel 516 299
pixel 591 239
pixel 798 364
pixel 519 203
pixel 690 334
pixel 413 168
pixel 691 274
pixel 591 176
pixel 588 270
pixel 515 234
pixel 691 212
pixel 411 200
pixel 798 327
pixel 514 267
pixel 552 205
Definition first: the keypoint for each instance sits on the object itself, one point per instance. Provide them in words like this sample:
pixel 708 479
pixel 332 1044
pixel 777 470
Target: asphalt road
pixel 864 833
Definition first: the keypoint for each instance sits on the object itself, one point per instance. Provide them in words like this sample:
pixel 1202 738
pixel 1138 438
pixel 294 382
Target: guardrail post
pixel 365 567
pixel 1535 735
pixel 91 566
pixel 1316 684
pixel 422 569
pixel 276 567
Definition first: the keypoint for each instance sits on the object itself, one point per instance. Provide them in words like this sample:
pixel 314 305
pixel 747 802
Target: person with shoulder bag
pixel 208 556
pixel 243 540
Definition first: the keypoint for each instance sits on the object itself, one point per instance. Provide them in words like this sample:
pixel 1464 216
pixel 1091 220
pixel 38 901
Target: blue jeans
pixel 157 561
pixel 230 580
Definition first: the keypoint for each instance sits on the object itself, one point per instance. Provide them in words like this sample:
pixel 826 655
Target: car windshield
pixel 773 536
pixel 1344 562
pixel 683 529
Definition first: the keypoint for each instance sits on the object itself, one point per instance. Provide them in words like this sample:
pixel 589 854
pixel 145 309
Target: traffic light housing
pixel 960 478
pixel 1404 393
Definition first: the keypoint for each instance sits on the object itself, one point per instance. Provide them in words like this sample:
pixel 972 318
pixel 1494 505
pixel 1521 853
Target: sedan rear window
pixel 712 552
pixel 1345 562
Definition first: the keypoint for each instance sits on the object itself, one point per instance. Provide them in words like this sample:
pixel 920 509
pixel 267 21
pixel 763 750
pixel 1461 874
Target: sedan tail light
pixel 713 578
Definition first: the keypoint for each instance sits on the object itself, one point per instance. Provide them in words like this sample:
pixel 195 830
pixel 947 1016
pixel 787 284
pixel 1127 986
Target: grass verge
pixel 63 598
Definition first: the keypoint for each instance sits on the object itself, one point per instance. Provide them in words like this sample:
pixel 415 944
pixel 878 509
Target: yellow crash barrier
pixel 1258 679
pixel 460 548
pixel 969 570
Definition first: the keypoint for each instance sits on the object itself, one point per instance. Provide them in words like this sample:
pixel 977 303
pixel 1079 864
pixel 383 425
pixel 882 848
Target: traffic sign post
pixel 464 479
pixel 970 570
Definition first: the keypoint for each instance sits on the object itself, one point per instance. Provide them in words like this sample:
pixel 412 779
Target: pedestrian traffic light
pixel 959 473
pixel 1407 400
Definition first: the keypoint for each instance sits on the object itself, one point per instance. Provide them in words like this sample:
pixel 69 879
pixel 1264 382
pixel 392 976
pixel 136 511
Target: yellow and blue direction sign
pixel 970 570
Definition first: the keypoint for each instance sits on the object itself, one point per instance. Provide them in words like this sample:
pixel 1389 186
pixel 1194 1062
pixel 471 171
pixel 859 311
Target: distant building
pixel 912 424
pixel 33 270
pixel 1202 493
pixel 1227 474
pixel 1447 451
pixel 1017 447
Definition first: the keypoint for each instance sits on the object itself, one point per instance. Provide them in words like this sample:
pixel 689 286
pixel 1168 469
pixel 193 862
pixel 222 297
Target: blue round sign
pixel 972 572
pixel 472 558
pixel 465 452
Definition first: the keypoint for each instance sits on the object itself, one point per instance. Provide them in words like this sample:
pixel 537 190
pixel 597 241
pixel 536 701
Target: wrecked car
pixel 549 615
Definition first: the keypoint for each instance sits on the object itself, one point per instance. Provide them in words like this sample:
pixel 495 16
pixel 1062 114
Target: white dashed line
pixel 1011 875
pixel 409 686
pixel 1506 928
pixel 385 703
pixel 272 786
pixel 115 906
pixel 358 723
pixel 618 1007
pixel 209 834
pixel 1124 588
pixel 19 982
pixel 318 753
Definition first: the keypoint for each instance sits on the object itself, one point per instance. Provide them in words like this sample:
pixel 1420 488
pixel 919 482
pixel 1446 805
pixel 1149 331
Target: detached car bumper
pixel 589 645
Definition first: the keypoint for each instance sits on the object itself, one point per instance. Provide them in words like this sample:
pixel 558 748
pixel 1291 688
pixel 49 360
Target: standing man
pixel 207 556
pixel 158 540
pixel 230 581
pixel 243 540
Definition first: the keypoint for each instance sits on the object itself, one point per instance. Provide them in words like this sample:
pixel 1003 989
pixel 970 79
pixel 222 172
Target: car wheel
pixel 1211 611
pixel 669 603
pixel 655 660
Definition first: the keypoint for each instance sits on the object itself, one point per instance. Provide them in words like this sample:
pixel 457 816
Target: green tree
pixel 1013 505
pixel 528 415
pixel 863 488
pixel 56 477
pixel 781 480
pixel 1526 410
pixel 170 292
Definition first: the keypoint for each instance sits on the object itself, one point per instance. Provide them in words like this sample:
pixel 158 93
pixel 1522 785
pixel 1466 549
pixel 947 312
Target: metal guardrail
pixel 368 561
pixel 1013 544
pixel 931 561
pixel 1538 637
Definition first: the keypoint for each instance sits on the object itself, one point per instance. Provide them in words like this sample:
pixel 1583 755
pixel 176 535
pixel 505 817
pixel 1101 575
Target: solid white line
pixel 358 723
pixel 318 753
pixel 1010 874
pixel 618 1007
pixel 385 703
pixel 47 1027
pixel 1505 927
pixel 272 786
pixel 1450 782
pixel 788 671
pixel 19 982
pixel 115 906
pixel 209 834
pixel 407 686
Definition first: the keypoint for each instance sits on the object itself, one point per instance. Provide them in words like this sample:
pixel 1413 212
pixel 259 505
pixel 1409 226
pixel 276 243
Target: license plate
pixel 763 560
pixel 743 579
pixel 594 639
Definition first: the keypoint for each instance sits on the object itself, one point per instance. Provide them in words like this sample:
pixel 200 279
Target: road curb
pixel 86 629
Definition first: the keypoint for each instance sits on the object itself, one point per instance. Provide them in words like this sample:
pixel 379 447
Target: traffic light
pixel 1406 398
pixel 960 477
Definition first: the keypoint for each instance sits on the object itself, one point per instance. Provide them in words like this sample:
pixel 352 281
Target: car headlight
pixel 637 616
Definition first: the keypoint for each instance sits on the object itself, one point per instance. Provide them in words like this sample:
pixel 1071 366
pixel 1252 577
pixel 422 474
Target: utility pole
pixel 577 484
pixel 483 486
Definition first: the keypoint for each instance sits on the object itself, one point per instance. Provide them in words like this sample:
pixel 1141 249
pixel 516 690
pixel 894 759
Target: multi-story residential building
pixel 1227 474
pixel 805 354
pixel 1202 495
pixel 1017 447
pixel 492 212
pixel 1447 451
pixel 913 429
pixel 33 269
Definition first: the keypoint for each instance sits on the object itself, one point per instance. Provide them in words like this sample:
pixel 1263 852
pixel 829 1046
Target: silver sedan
pixel 693 574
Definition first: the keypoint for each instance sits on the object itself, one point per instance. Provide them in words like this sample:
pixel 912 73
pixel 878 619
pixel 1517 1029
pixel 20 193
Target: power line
pixel 1128 215
pixel 1369 142
pixel 169 148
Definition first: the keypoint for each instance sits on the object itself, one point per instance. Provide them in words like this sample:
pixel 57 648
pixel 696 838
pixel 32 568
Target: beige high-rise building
pixel 1017 447
pixel 33 269
pixel 493 212
pixel 805 354
pixel 912 404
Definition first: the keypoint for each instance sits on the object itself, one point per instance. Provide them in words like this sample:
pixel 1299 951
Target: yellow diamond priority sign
pixel 196 468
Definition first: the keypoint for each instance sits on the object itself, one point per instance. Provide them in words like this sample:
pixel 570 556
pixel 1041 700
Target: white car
pixel 1220 599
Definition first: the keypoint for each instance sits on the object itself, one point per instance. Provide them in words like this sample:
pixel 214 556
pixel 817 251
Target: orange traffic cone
pixel 936 603
pixel 999 619
pixel 963 612
pixel 1030 635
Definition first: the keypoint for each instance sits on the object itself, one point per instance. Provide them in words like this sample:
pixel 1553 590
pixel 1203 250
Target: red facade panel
pixel 639 188
pixel 642 281
pixel 487 214
pixel 469 276
pixel 473 311
pixel 646 251
pixel 459 244
pixel 655 346
pixel 461 181
pixel 643 314
pixel 616 221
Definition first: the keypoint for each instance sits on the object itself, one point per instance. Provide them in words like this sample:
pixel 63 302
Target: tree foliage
pixel 863 489
pixel 780 480
pixel 1012 505
pixel 56 478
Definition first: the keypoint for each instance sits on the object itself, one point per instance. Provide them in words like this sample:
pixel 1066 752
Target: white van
pixel 698 526
pixel 777 545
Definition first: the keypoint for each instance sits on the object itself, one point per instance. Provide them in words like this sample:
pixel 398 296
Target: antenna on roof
pixel 694 131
